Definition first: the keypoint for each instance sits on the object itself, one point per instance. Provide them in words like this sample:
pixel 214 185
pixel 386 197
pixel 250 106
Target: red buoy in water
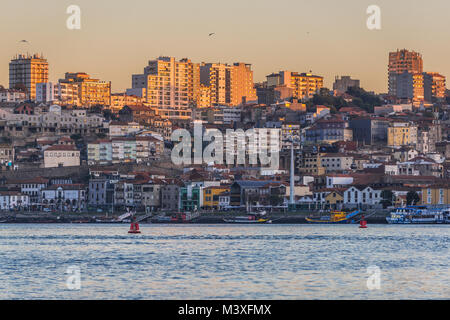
pixel 134 228
pixel 363 223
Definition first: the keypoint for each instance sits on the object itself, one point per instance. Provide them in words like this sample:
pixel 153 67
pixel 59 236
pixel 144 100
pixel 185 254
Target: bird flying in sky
pixel 24 41
pixel 211 34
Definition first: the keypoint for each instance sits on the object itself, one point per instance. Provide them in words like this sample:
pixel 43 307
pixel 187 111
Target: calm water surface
pixel 224 261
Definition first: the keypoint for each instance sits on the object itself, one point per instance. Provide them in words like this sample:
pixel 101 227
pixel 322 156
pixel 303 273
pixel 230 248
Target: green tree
pixel 363 99
pixel 412 198
pixel 76 137
pixel 387 196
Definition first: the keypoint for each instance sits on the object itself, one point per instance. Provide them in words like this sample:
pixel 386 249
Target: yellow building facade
pixel 90 92
pixel 436 195
pixel 401 134
pixel 211 196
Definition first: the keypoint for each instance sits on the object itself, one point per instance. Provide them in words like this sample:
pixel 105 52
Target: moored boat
pixel 334 217
pixel 419 215
pixel 247 219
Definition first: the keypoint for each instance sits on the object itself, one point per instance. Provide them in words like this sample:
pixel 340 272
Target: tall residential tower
pixel 28 70
pixel 229 85
pixel 171 86
pixel 402 61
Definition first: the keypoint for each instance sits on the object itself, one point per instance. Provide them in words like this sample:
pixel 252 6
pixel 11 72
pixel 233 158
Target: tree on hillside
pixel 324 97
pixel 363 99
pixel 21 87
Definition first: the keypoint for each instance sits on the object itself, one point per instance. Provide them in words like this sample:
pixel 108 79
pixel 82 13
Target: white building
pixel 70 197
pixel 46 92
pixel 336 181
pixel 121 129
pixel 12 96
pixel 10 200
pixel 357 197
pixel 32 188
pixel 61 156
pixel 224 200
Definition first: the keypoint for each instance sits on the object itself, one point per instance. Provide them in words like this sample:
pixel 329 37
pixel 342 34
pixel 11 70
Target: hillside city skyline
pixel 328 81
pixel 274 36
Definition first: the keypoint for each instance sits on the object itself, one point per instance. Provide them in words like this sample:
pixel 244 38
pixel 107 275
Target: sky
pixel 328 37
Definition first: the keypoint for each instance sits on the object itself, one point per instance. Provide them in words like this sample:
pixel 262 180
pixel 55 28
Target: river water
pixel 224 262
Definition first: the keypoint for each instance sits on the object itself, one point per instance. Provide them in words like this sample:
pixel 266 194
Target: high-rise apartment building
pixel 434 86
pixel 28 70
pixel 304 85
pixel 171 87
pixel 342 84
pixel 46 92
pixel 229 85
pixel 68 93
pixel 243 85
pixel 204 97
pixel 90 92
pixel 400 62
pixel 410 86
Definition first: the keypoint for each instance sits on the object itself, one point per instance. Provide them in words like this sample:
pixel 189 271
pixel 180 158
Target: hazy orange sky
pixel 329 37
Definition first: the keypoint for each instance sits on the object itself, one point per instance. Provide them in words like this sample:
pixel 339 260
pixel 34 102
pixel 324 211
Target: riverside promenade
pixel 204 218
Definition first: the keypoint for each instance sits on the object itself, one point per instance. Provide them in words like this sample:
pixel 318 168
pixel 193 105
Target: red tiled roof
pixel 62 147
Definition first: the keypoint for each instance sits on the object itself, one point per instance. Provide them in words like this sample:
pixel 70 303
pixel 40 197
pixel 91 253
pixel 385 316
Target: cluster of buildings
pixel 408 81
pixel 340 156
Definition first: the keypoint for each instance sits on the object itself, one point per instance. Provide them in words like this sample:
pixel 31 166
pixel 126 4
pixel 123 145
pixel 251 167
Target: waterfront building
pixel 64 197
pixel 436 195
pixel 170 195
pixel 27 71
pixel 31 187
pixel 211 196
pixel 224 200
pixel 361 196
pixel 13 200
pixel 191 198
pixel 245 193
pixel 151 194
pixel 101 192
